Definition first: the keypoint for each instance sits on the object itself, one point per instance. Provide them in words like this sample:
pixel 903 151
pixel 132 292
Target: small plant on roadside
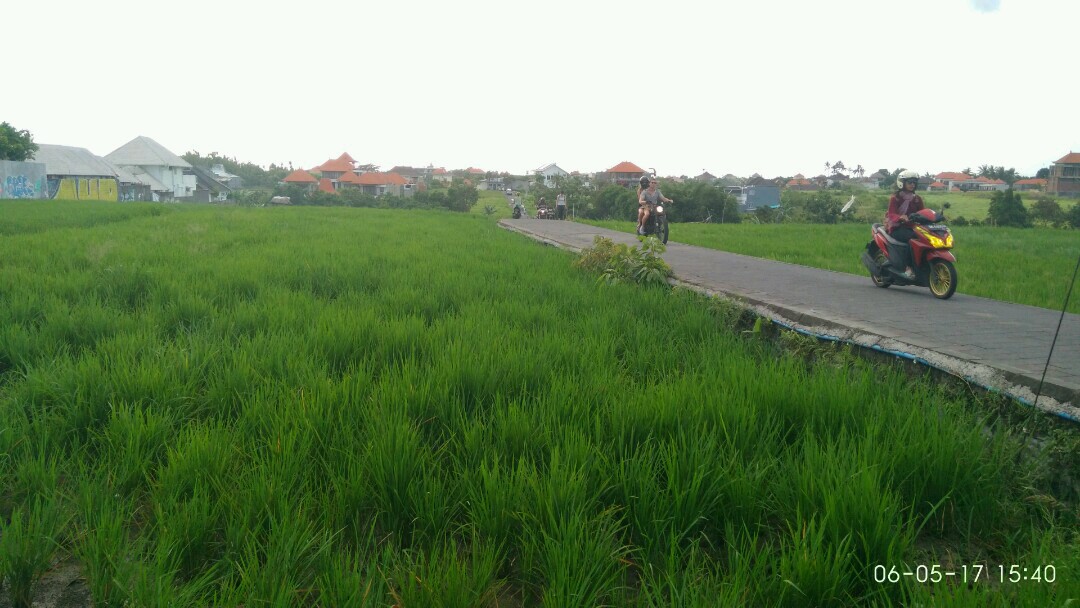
pixel 618 263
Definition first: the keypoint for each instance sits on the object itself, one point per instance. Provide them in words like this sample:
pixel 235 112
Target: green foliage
pixel 16 145
pixel 612 202
pixel 27 542
pixel 461 197
pixel 618 263
pixel 1008 176
pixel 1047 209
pixel 1073 215
pixel 766 215
pixel 695 201
pixel 1006 209
pixel 251 175
pixel 819 207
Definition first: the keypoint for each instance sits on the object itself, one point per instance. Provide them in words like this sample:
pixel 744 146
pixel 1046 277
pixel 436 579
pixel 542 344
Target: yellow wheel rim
pixel 941 280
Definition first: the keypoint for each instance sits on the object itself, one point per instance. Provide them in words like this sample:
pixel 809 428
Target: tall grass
pixel 366 407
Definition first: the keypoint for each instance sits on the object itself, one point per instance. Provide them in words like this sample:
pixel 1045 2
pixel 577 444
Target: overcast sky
pixel 776 87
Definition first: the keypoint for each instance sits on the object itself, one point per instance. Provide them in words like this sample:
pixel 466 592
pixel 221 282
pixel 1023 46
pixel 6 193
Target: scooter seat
pixel 880 229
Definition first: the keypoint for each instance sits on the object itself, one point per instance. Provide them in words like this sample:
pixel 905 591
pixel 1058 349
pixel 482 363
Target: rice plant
pixel 336 406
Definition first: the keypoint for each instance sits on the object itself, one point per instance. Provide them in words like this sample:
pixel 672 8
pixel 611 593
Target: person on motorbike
pixel 903 203
pixel 648 197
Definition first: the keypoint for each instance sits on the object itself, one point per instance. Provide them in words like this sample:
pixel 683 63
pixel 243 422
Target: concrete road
pixel 995 344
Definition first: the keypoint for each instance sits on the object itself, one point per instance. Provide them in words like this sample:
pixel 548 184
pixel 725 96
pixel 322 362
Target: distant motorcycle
pixel 519 210
pixel 932 261
pixel 657 224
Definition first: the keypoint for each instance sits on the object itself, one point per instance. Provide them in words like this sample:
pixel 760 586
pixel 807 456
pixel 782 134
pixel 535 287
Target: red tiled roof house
pixel 1035 183
pixel 302 178
pixel 377 184
pixel 625 173
pixel 1065 176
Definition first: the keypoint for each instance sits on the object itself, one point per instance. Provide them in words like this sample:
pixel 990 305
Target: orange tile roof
pixel 326 186
pixel 1034 181
pixel 345 157
pixel 381 179
pixel 474 170
pixel 349 178
pixel 952 176
pixel 626 167
pixel 937 185
pixel 300 177
pixel 1071 158
pixel 439 171
pixel 335 166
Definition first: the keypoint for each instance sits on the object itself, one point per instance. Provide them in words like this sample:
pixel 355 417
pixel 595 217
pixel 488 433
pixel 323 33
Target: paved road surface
pixel 995 344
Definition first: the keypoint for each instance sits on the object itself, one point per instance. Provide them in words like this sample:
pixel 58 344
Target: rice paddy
pixel 363 407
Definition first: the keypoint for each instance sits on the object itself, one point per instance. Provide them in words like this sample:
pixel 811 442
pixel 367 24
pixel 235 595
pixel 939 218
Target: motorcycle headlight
pixel 935 241
pixel 948 240
pixel 659 208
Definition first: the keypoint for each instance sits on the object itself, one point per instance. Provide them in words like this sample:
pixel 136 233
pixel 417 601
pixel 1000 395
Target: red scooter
pixel 932 261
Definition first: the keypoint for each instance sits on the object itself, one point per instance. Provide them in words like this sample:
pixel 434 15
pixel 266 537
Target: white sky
pixel 776 87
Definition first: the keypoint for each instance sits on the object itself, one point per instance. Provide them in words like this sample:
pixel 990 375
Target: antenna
pixel 1064 306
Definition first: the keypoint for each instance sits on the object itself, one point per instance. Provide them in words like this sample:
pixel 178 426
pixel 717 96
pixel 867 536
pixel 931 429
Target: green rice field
pixel 1024 266
pixel 207 406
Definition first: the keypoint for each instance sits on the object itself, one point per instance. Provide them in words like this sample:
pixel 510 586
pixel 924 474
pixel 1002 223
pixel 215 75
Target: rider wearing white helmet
pixel 902 204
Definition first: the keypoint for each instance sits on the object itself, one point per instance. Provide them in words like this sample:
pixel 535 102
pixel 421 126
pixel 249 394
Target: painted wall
pixel 83 188
pixel 22 180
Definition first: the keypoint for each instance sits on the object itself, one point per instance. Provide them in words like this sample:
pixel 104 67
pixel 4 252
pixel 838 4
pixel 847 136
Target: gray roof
pixel 69 160
pixel 145 152
pixel 149 180
pixel 123 175
pixel 209 179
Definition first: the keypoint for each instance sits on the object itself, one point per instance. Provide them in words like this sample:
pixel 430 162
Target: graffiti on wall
pixel 22 180
pixel 29 180
pixel 17 186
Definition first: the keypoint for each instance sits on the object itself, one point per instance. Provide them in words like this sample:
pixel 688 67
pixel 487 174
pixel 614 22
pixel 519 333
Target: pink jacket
pixel 901 203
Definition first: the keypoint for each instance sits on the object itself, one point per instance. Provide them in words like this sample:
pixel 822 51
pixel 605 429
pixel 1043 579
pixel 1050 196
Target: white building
pixel 170 176
pixel 548 173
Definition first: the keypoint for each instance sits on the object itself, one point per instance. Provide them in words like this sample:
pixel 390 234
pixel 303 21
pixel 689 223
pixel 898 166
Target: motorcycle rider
pixel 648 197
pixel 903 203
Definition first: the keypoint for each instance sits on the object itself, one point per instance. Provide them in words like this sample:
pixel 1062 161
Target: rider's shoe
pixel 909 274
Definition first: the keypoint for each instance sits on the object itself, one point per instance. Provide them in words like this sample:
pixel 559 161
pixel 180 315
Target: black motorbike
pixel 657 224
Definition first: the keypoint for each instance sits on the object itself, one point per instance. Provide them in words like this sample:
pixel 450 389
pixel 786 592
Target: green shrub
pixel 618 263
pixel 1006 209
